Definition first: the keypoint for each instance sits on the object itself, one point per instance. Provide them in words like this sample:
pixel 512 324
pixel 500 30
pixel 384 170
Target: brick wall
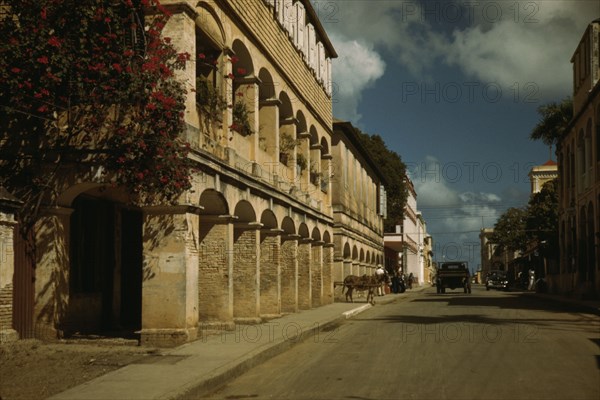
pixel 269 275
pixel 6 297
pixel 213 274
pixel 289 266
pixel 317 275
pixel 304 279
pixel 327 275
pixel 245 273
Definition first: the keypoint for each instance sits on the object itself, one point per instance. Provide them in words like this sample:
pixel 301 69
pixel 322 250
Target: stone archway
pixel 105 264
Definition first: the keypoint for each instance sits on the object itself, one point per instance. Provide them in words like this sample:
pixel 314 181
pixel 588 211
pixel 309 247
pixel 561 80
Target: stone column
pixel 268 129
pixel 356 268
pixel 304 274
pixel 347 268
pixel 270 273
pixel 170 275
pixel 246 272
pixel 328 273
pixel 289 273
pixel 8 205
pixel 317 274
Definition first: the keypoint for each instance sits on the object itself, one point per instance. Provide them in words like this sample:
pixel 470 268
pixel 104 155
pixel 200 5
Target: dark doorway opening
pixel 106 269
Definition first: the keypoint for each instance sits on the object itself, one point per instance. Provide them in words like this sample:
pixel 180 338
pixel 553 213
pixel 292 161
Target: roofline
pixel 319 27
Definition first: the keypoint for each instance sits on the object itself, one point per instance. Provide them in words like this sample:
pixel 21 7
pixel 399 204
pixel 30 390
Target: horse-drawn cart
pixel 363 283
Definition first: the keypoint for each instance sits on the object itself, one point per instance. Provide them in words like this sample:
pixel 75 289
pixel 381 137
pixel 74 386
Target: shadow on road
pixel 502 311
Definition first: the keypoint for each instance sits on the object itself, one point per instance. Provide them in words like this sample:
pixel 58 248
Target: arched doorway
pixel 105 277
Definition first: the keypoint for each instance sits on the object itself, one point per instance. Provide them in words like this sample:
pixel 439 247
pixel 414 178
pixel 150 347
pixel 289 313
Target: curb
pixel 351 313
pixel 258 356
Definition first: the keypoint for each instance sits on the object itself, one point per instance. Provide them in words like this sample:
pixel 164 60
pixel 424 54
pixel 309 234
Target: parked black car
pixel 497 280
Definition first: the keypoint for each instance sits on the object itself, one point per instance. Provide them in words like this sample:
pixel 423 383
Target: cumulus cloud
pixel 522 42
pixel 357 67
pixel 514 44
pixel 454 217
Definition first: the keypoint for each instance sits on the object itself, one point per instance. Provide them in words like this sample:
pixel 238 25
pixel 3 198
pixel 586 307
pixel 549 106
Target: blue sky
pixel 453 87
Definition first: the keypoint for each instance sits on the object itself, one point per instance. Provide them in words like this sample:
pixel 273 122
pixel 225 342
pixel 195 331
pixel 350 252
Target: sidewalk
pixel 196 368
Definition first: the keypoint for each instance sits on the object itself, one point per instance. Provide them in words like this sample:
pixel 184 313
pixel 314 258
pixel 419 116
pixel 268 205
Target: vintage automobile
pixel 497 280
pixel 453 275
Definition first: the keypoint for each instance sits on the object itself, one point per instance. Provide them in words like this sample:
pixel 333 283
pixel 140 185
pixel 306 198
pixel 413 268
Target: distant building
pixel 541 174
pixel 358 202
pixel 579 177
pixel 406 247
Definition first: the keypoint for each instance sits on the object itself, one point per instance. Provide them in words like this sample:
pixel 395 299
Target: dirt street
pixel 32 370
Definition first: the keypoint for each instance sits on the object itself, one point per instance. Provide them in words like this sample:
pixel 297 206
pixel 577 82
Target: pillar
pixel 215 271
pixel 246 272
pixel 270 273
pixel 328 273
pixel 170 275
pixel 289 273
pixel 304 274
pixel 317 274
pixel 8 206
pixel 51 298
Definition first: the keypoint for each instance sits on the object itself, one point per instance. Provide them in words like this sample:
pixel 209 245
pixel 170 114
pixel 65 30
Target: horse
pixel 360 284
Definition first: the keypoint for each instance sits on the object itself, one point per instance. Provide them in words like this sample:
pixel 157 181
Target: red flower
pixel 43 13
pixel 42 60
pixel 15 70
pixel 202 56
pixel 117 67
pixel 53 41
pixel 234 59
pixel 241 71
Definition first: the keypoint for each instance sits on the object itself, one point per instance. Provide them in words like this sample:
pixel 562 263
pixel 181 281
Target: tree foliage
pixel 554 121
pixel 542 216
pixel 537 222
pixel 394 171
pixel 90 85
pixel 510 230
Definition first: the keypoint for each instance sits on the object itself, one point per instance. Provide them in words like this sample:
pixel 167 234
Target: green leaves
pixel 555 118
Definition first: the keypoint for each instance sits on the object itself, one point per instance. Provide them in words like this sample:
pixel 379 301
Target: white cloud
pixel 508 43
pixel 531 43
pixel 455 218
pixel 357 67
